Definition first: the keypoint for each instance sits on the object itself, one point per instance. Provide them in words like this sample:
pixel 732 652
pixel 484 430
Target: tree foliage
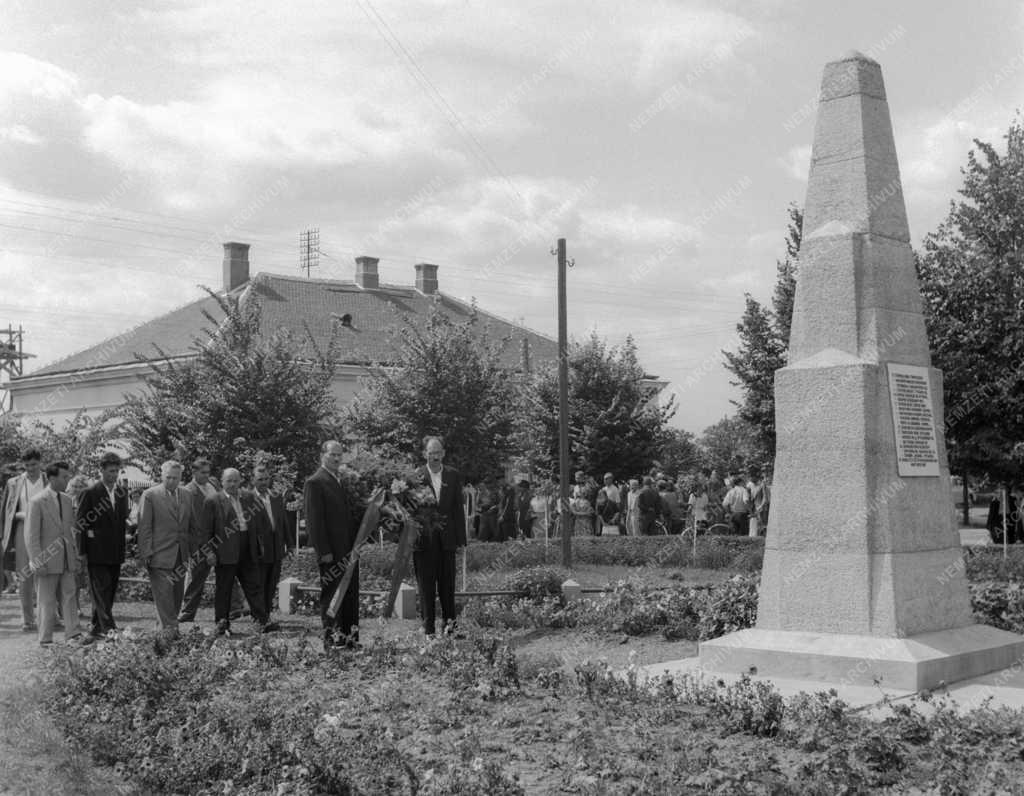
pixel 447 380
pixel 730 445
pixel 244 390
pixel 80 441
pixel 764 339
pixel 612 424
pixel 972 280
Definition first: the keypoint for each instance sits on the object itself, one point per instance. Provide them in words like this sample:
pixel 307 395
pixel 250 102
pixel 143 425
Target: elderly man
pixel 101 518
pixel 53 553
pixel 168 536
pixel 434 550
pixel 332 530
pixel 272 529
pixel 230 524
pixel 17 494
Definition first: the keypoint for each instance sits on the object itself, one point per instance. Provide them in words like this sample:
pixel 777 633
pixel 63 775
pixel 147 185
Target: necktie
pixel 60 508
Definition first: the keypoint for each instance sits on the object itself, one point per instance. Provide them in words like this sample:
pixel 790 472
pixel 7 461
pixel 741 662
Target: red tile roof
pixel 289 302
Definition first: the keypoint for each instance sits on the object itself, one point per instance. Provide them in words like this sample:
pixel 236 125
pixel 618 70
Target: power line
pixel 432 90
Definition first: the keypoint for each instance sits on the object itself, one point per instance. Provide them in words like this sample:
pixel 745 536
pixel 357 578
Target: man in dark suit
pixel 101 518
pixel 231 526
pixel 271 530
pixel 434 549
pixel 168 536
pixel 200 488
pixel 332 529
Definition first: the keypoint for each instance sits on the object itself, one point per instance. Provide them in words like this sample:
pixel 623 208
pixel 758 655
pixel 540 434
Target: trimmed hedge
pixel 735 553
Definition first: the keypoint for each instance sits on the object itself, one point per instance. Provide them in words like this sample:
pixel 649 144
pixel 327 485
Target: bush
pixel 987 563
pixel 537 583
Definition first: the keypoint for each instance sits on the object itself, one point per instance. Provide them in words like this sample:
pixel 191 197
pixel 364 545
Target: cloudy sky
pixel 663 140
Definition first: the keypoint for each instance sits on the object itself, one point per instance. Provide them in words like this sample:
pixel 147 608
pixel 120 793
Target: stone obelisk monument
pixel 863 575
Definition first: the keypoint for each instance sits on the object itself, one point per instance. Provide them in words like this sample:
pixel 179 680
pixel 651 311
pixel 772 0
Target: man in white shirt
pixel 18 493
pixel 737 503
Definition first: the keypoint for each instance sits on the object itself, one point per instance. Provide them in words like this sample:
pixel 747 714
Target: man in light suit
pixel 53 553
pixel 272 530
pixel 332 529
pixel 167 537
pixel 17 494
pixel 102 517
pixel 230 529
pixel 434 550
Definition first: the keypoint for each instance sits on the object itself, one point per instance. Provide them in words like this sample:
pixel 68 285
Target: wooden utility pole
pixel 565 520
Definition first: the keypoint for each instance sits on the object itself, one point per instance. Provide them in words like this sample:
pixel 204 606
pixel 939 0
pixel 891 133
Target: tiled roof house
pixel 363 310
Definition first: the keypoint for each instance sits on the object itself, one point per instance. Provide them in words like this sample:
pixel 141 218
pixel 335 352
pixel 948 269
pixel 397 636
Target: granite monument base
pixel 909 664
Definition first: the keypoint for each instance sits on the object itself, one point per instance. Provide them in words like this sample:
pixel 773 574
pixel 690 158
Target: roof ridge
pixel 513 324
pixel 127 331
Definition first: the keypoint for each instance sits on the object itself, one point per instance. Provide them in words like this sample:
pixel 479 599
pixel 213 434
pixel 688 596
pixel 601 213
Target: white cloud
pixel 630 224
pixel 797 162
pixel 19 134
pixel 22 76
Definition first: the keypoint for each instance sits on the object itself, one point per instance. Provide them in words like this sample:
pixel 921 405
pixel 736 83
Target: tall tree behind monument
pixel 972 280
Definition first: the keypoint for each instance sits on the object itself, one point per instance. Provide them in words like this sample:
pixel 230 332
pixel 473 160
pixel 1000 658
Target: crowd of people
pixel 63 532
pixel 646 505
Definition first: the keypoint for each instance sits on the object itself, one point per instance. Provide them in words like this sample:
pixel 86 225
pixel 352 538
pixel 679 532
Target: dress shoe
pixel 81 640
pixel 223 629
pixel 269 627
pixel 237 615
pixel 29 627
pixel 182 618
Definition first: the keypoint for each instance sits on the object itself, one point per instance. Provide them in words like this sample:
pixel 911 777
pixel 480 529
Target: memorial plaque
pixel 910 392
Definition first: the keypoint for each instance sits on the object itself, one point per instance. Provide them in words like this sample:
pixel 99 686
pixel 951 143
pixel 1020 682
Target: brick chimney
pixel 236 265
pixel 366 272
pixel 426 278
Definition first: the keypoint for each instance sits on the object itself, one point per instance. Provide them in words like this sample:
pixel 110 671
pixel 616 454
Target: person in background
pixel 611 513
pixel 649 506
pixel 698 503
pixel 18 492
pixel 506 509
pixel 584 489
pixel 737 503
pixel 487 505
pixel 672 508
pixel 524 522
pixel 633 508
pixel 760 498
pixel 542 511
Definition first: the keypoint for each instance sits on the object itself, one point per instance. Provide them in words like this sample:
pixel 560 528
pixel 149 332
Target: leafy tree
pixel 730 445
pixel 679 453
pixel 81 441
pixel 244 391
pixel 447 380
pixel 613 425
pixel 764 339
pixel 972 280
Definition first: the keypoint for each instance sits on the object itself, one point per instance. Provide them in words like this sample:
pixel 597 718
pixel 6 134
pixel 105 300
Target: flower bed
pixel 260 716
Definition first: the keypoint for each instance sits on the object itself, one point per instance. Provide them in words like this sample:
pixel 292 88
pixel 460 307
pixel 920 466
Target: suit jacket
pixel 198 499
pixel 166 528
pixel 329 519
pixel 101 526
pixel 12 491
pixel 49 536
pixel 271 543
pixel 449 505
pixel 222 529
pixel 649 501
